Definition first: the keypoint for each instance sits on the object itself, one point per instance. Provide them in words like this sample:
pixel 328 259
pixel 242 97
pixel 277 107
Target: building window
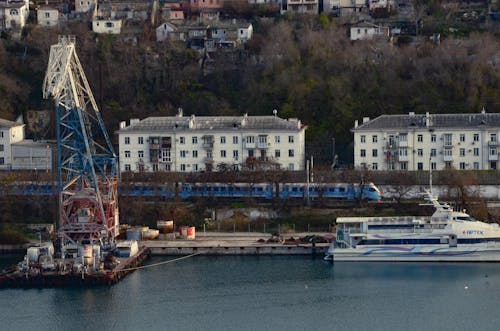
pixel 235 139
pixel 290 166
pixel 462 137
pixel 140 154
pixel 420 138
pixel 374 166
pixel 277 153
pixel 493 137
pixel 374 153
pixel 127 153
pixel 433 152
pixel 47 15
pixel 363 153
pixel 182 140
pixel 183 167
pixel 155 167
pixel 462 166
pixel 235 155
pixel 448 139
pixel 493 165
pixel 363 139
pixel 493 151
pixel 195 154
pixel 462 152
pixel 404 165
pixel 476 136
pixel 420 166
pixel 374 139
pixel 1 148
pixel 403 137
pixel 420 152
pixel 127 167
pixel 476 165
pixel 127 140
pixel 277 139
pixel 250 153
pixel 250 139
pixel 403 151
pixel 194 140
pixel 195 167
pixel 433 165
pixel 433 138
pixel 140 140
pixel 222 140
pixel 476 151
pixel 290 139
pixel 168 167
pixel 1 134
pixel 448 152
pixel 223 153
pixel 291 153
pixel 183 153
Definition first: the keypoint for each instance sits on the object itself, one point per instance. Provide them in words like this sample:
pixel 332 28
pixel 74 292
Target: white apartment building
pixel 191 144
pixel 16 153
pixel 10 133
pixel 424 141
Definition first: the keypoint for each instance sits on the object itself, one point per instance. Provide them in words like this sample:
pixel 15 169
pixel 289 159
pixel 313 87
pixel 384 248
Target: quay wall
pixel 240 250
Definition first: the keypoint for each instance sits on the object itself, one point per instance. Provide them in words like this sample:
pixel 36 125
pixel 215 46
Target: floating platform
pixel 15 277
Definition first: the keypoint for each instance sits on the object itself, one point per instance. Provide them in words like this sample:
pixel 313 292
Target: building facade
pixel 428 141
pixel 16 153
pixel 13 14
pixel 192 144
pixel 47 16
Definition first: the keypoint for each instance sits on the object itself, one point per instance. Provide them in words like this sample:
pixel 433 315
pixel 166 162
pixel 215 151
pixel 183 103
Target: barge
pixel 39 270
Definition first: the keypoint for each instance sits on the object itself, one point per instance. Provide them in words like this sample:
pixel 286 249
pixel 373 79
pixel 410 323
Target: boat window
pixel 466 218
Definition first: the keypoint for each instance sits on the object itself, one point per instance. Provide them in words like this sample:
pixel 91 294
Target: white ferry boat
pixel 447 235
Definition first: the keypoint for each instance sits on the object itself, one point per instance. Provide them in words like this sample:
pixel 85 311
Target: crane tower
pixel 87 167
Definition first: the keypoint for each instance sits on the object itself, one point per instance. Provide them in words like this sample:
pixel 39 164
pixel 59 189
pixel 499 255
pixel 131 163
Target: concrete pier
pixel 239 243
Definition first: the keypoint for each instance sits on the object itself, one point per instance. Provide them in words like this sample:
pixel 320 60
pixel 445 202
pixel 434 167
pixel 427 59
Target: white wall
pixel 107 26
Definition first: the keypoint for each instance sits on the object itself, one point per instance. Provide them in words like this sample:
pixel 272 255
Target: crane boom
pixel 87 167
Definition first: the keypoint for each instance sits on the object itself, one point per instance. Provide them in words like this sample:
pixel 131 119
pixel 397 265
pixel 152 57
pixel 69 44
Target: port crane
pixel 87 166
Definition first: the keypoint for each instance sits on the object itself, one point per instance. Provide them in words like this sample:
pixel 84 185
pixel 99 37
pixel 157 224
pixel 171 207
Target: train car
pixel 342 191
pixel 219 190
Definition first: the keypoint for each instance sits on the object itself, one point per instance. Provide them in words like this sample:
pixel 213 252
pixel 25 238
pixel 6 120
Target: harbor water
pixel 268 293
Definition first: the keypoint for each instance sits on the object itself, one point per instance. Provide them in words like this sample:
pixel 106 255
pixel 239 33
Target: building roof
pixel 32 143
pixel 179 123
pixel 432 121
pixel 6 124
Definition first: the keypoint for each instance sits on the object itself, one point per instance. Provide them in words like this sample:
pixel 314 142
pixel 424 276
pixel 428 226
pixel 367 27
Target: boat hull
pixel 417 254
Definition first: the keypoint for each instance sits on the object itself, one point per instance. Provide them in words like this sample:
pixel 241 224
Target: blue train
pixel 340 191
pixel 265 191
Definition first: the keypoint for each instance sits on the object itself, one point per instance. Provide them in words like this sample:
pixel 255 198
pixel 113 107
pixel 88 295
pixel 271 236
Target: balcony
pixel 492 157
pixel 403 158
pixel 263 145
pixel 208 145
pixel 492 143
pixel 249 145
pixel 154 146
pixel 447 155
pixel 208 159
